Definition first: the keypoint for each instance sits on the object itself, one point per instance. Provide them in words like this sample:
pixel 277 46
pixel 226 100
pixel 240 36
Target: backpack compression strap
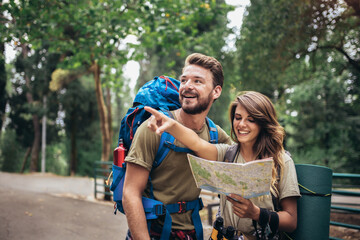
pixel 153 209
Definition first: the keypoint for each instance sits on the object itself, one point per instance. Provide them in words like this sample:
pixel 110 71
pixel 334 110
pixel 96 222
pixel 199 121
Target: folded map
pixel 248 180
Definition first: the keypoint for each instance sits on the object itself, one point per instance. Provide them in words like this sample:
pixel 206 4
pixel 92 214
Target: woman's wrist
pixel 264 217
pixel 256 213
pixel 269 219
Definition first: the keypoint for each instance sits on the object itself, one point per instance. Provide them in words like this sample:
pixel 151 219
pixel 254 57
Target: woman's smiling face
pixel 245 126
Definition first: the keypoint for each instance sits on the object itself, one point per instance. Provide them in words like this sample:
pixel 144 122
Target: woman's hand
pixel 243 207
pixel 159 122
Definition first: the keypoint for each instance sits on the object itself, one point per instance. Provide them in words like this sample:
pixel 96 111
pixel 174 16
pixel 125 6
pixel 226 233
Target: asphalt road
pixel 52 207
pixel 46 206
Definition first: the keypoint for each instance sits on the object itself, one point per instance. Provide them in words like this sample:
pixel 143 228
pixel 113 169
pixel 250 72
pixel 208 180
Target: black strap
pixel 267 219
pixel 274 224
pixel 264 219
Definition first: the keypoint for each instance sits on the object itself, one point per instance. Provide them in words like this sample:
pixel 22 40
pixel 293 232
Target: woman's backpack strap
pixel 231 153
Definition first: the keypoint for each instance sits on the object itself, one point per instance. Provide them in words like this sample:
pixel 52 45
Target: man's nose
pixel 189 84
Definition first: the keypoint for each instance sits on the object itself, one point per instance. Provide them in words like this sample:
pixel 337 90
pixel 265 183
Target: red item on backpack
pixel 119 154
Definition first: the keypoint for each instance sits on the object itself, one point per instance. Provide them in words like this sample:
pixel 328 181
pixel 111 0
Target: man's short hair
pixel 208 63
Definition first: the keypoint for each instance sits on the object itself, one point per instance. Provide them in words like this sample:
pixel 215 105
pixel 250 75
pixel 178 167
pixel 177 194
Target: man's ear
pixel 217 92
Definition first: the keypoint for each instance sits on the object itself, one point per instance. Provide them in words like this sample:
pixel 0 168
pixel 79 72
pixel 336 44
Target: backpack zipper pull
pixel 115 208
pixel 108 180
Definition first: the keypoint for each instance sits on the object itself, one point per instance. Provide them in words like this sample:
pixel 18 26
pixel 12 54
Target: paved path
pixel 37 206
pixel 46 206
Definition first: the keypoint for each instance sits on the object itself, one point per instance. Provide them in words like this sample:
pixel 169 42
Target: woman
pixel 258 135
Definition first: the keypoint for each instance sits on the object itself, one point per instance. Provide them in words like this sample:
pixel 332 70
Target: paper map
pixel 248 180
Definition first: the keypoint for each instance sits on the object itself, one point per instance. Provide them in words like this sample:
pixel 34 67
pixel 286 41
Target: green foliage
pixel 57 159
pixel 81 125
pixel 122 102
pixel 90 33
pixel 11 152
pixel 320 110
pixel 22 110
pixel 89 152
pixel 304 55
pixel 177 29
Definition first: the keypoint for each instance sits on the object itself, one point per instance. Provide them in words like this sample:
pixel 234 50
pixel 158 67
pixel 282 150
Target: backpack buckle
pixel 182 207
pixel 159 209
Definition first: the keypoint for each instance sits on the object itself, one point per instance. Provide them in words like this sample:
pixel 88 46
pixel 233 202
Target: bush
pixel 11 152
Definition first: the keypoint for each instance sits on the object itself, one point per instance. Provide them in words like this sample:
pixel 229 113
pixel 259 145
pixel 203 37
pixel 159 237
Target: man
pixel 201 84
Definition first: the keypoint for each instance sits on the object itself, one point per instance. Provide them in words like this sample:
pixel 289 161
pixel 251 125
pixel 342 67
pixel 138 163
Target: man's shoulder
pixel 144 135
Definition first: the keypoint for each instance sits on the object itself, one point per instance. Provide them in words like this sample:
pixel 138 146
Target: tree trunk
pixel 105 122
pixel 108 104
pixel 73 154
pixel 3 80
pixel 43 138
pixel 355 5
pixel 35 149
pixel 25 159
pixel 36 122
pixel 103 113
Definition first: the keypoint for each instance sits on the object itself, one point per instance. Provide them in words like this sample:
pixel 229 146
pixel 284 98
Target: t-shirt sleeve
pixel 221 149
pixel 144 147
pixel 288 183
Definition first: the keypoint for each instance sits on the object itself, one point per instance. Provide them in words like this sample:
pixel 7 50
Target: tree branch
pixel 354 63
pixel 355 4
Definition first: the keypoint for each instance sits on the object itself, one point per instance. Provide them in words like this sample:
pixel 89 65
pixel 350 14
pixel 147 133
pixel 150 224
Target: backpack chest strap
pixel 154 209
pixel 181 207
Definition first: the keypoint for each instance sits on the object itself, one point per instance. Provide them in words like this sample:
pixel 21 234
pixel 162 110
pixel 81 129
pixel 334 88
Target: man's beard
pixel 202 105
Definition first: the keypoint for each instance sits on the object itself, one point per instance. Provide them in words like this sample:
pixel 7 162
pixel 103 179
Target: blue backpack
pixel 161 93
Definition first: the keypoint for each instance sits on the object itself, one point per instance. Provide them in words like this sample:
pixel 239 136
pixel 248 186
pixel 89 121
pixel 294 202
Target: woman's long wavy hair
pixel 269 142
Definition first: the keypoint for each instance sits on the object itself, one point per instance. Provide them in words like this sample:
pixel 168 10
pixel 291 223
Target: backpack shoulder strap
pixel 167 140
pixel 212 131
pixel 231 153
pixel 166 144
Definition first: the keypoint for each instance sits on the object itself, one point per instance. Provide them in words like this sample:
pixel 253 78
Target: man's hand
pixel 159 122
